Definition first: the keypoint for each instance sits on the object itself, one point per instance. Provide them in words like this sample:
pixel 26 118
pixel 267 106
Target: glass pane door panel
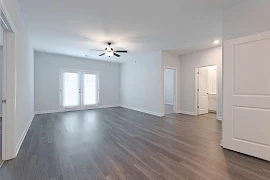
pixel 71 90
pixel 90 89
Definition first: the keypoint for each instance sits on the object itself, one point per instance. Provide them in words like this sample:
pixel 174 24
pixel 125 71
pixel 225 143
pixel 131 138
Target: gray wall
pixel 1 67
pixel 1 76
pixel 188 63
pixel 141 83
pixel 47 68
pixel 246 18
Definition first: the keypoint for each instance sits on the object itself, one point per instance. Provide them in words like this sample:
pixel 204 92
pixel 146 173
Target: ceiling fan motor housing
pixel 110 52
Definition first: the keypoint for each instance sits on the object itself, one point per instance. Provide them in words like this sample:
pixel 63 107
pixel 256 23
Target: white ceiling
pixel 71 27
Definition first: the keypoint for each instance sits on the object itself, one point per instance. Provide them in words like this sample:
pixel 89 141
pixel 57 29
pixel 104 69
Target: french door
pixel 78 89
pixel 90 89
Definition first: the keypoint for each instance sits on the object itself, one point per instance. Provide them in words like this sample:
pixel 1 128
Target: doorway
pixel 169 90
pixel 206 90
pixel 78 89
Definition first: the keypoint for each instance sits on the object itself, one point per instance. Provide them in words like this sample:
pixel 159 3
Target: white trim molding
pixel 221 143
pixel 6 18
pixel 144 111
pixel 187 112
pixel 219 118
pixel 71 110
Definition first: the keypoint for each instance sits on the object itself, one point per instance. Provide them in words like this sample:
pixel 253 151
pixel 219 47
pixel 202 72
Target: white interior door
pixel 71 90
pixel 90 89
pixel 202 90
pixel 246 108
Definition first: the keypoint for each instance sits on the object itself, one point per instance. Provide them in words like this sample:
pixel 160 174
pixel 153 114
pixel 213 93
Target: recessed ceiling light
pixel 216 42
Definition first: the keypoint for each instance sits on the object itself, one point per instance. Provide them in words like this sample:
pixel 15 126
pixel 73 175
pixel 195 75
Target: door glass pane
pixel 90 89
pixel 71 96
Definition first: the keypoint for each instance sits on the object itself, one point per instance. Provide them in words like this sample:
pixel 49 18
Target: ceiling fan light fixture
pixel 109 53
pixel 216 42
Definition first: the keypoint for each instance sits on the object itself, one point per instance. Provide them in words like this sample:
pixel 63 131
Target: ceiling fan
pixel 109 51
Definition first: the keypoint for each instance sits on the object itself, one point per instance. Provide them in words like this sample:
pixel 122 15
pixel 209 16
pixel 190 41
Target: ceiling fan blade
pixel 121 51
pixel 95 50
pixel 102 54
pixel 116 54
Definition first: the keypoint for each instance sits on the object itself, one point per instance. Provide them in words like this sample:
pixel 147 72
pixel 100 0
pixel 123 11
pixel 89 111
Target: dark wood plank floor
pixel 118 144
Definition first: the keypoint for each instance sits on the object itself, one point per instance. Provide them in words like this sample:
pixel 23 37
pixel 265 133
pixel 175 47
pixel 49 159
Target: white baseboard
pixel 144 111
pixel 167 103
pixel 186 112
pixel 69 110
pixel 48 111
pixel 18 146
pixel 219 118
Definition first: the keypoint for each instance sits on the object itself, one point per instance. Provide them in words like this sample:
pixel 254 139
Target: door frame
pixel 9 148
pixel 196 88
pixel 81 72
pixel 175 104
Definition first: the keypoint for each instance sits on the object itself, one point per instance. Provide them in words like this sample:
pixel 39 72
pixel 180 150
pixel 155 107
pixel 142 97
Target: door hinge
pixel 198 72
pixel 198 107
pixel 4 101
pixel 198 90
